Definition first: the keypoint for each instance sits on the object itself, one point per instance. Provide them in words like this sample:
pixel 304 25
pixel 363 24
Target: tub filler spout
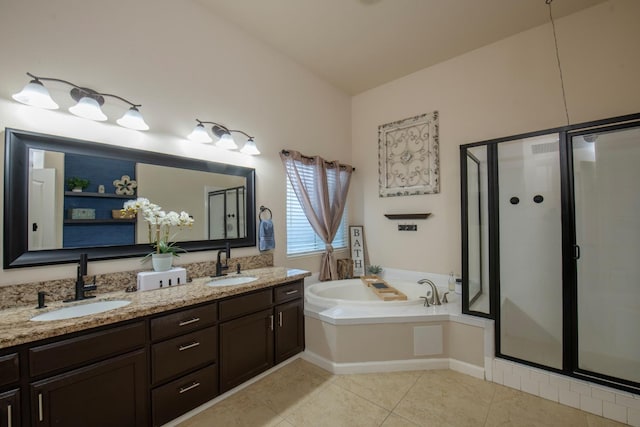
pixel 435 298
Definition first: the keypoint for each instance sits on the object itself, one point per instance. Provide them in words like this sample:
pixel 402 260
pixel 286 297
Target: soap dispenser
pixel 452 281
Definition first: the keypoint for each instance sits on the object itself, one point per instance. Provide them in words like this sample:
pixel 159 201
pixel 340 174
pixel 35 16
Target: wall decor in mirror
pixel 46 222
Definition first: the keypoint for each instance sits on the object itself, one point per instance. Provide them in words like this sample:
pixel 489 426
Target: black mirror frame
pixel 16 175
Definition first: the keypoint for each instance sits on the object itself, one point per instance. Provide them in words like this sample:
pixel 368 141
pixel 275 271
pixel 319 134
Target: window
pixel 301 239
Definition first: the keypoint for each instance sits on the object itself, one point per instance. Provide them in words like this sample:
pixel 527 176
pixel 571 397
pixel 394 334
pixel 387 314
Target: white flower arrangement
pixel 160 223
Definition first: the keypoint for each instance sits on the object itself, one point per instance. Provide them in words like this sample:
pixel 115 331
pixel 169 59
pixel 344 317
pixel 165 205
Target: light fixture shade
pixel 132 119
pixel 36 95
pixel 250 148
pixel 199 134
pixel 88 108
pixel 226 141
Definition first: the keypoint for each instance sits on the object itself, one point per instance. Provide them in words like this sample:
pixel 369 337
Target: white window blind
pixel 301 239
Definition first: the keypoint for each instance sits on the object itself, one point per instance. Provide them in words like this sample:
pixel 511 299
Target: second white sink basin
pixel 80 310
pixel 230 281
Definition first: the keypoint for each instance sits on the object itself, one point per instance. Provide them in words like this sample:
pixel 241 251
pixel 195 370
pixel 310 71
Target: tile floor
pixel 302 394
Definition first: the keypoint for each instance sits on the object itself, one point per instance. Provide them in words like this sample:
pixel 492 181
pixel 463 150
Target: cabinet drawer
pixel 177 397
pixel 177 355
pixel 9 369
pixel 288 292
pixel 245 304
pixel 183 321
pixel 85 349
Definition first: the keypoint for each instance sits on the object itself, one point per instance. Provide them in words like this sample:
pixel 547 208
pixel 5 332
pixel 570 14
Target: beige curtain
pixel 321 187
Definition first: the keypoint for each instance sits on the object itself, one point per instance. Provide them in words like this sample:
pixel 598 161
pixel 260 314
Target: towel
pixel 266 239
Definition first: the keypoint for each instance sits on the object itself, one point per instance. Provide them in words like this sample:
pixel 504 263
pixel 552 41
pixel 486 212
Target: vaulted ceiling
pixel 360 44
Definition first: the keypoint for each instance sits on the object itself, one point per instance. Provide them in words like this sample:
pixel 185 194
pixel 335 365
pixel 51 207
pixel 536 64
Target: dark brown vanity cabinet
pixel 9 392
pixel 97 379
pixel 259 330
pixel 289 320
pixel 184 355
pixel 10 408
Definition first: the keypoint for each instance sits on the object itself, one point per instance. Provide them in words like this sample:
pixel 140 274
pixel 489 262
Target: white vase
pixel 161 262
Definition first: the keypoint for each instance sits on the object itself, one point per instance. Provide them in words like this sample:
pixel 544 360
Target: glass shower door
pixel 606 176
pixel 530 250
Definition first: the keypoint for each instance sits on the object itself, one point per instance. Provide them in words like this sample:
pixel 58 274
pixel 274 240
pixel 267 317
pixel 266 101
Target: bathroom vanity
pixel 164 354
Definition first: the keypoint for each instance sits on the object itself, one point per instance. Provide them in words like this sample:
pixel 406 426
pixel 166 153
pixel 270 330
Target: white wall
pixel 502 89
pixel 181 63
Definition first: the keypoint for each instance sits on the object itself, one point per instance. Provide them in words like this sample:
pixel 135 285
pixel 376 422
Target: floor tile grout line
pixel 402 398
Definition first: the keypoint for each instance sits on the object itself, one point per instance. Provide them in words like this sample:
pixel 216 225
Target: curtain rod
pixel 287 152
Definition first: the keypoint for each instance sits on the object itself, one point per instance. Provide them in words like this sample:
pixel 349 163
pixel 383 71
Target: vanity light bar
pixel 88 100
pixel 225 139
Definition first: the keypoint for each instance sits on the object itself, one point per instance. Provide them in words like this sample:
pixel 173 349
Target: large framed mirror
pixel 46 222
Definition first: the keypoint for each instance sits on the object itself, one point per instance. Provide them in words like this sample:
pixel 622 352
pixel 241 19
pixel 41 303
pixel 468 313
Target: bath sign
pixel 356 238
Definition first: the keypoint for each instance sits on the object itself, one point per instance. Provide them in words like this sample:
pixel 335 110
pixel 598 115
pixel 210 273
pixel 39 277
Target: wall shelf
pixel 408 216
pixel 99 195
pixel 99 221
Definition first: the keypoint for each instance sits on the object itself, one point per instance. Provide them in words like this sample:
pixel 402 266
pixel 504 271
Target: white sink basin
pixel 80 310
pixel 230 281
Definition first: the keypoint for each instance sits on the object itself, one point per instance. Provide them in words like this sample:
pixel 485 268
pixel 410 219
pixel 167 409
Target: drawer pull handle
pixel 191 387
pixel 280 319
pixel 295 291
pixel 188 322
pixel 188 346
pixel 40 416
pixel 9 416
pixel 271 318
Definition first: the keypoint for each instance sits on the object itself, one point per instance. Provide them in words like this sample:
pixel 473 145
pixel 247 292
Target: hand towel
pixel 266 239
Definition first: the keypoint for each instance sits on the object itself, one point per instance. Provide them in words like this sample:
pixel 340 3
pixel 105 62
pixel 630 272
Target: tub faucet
pixel 219 266
pixel 435 298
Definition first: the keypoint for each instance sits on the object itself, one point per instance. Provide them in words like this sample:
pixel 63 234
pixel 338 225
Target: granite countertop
pixel 17 328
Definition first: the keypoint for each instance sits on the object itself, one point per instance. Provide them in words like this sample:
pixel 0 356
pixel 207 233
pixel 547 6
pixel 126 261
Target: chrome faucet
pixel 435 298
pixel 82 287
pixel 219 266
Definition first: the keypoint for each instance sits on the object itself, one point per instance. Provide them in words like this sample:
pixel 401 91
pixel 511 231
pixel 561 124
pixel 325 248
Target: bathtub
pixel 353 292
pixel 350 330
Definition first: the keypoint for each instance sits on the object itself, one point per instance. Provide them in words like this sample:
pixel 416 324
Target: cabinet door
pixel 105 394
pixel 289 330
pixel 10 409
pixel 246 348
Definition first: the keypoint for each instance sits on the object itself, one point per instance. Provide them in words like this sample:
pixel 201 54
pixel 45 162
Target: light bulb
pixel 250 148
pixel 88 108
pixel 36 95
pixel 199 134
pixel 227 142
pixel 132 119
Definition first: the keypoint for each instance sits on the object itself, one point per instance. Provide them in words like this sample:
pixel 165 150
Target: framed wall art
pixel 408 156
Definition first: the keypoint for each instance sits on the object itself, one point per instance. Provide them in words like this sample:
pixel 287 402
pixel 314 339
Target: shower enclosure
pixel 551 247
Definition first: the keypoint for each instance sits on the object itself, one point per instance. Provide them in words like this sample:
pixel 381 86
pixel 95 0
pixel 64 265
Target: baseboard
pixel 466 368
pixel 393 365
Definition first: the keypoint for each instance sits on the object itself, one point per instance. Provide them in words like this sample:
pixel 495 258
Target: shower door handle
pixel 576 252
